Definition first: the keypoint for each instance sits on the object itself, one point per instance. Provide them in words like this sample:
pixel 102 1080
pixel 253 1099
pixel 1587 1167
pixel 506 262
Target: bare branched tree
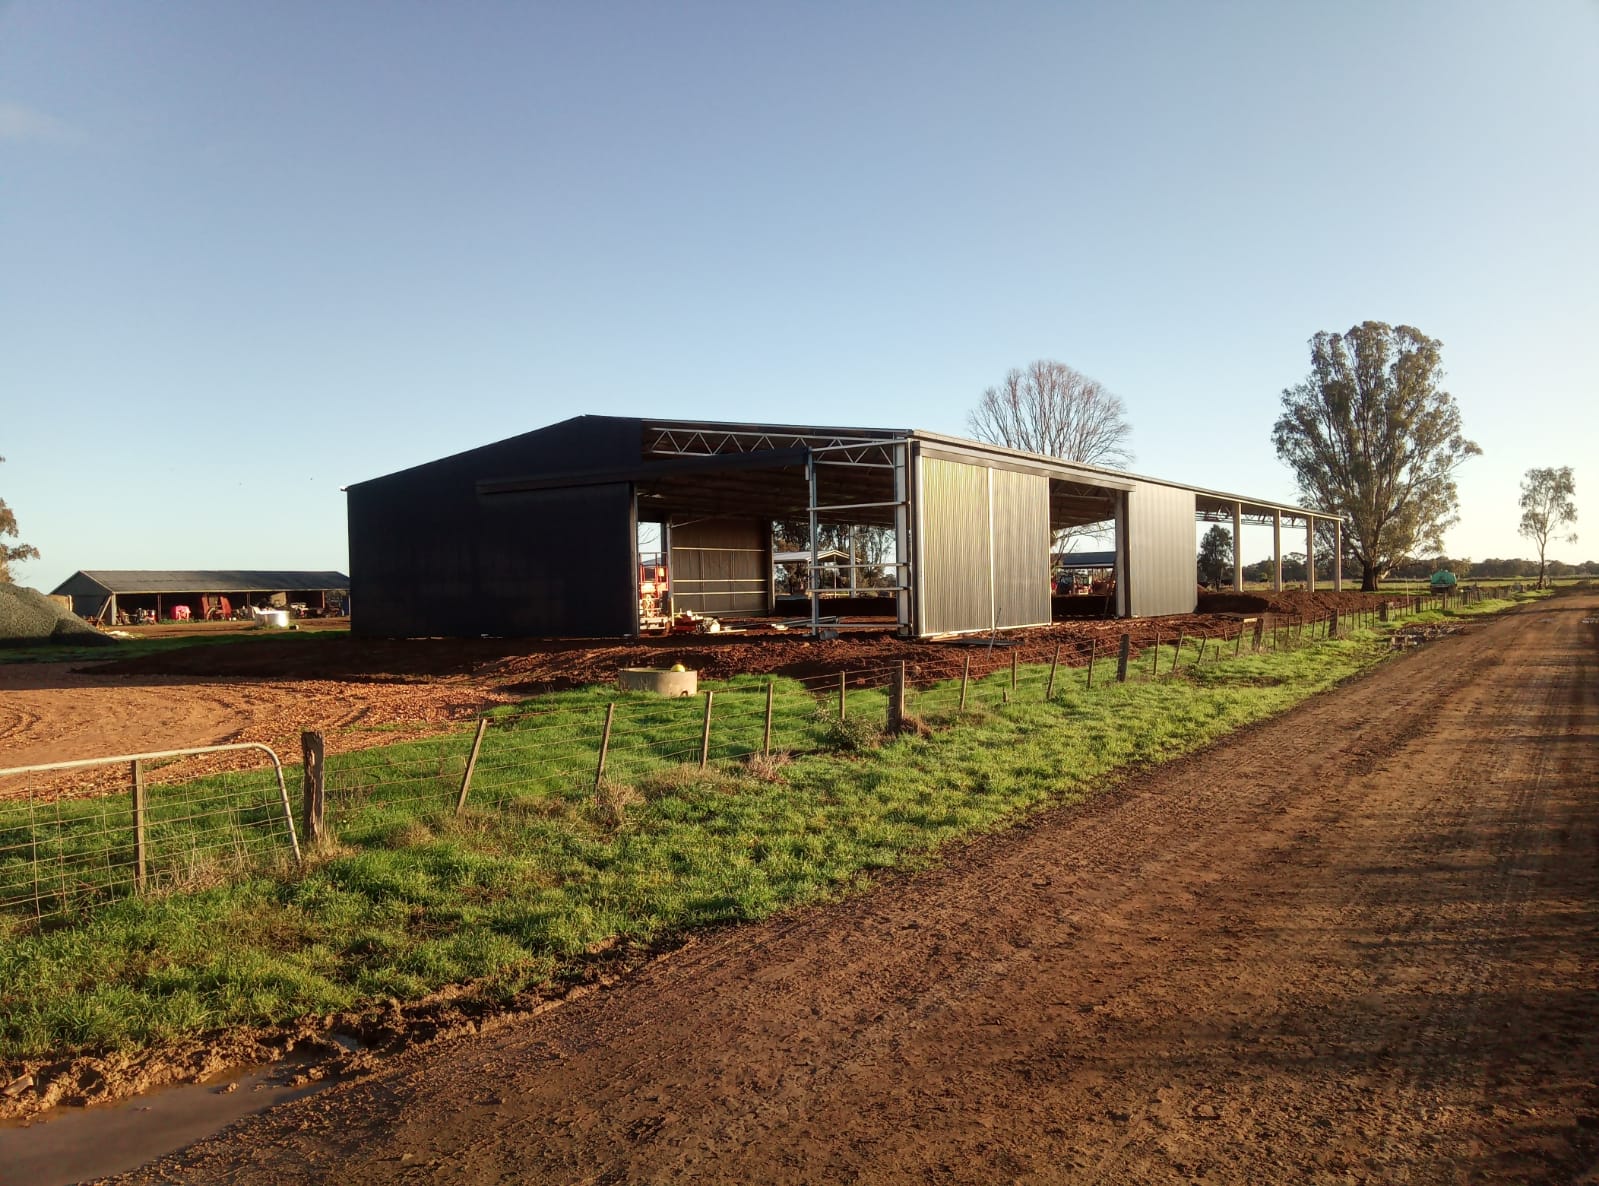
pixel 1050 408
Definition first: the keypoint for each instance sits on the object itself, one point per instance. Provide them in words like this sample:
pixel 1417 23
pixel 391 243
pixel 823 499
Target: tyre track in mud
pixel 1353 944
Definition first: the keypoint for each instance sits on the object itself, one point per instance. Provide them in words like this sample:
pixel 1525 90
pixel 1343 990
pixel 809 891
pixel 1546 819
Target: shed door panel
pixel 955 569
pixel 1021 549
pixel 720 566
pixel 545 563
pixel 1160 551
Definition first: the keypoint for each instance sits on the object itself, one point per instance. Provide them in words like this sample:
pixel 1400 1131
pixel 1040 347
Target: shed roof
pixel 233 580
pixel 698 447
pixel 674 457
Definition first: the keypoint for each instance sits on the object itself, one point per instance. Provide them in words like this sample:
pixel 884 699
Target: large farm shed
pixel 111 595
pixel 538 535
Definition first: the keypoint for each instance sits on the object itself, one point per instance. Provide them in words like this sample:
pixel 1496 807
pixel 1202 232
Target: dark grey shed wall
pixel 430 556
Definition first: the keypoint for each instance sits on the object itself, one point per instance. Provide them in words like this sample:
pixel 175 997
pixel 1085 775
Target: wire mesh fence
pixel 61 854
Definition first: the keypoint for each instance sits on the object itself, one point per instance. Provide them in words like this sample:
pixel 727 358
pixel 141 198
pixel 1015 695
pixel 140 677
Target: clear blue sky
pixel 250 253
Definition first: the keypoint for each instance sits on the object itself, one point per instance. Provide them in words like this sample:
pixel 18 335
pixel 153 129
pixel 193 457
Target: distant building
pixel 112 595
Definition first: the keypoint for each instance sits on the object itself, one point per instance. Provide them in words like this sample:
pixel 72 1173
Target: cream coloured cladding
pixel 1160 551
pixel 984 556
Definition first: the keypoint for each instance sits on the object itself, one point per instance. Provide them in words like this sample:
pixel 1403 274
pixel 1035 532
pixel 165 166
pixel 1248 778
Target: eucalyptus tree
pixel 15 552
pixel 1372 436
pixel 1215 555
pixel 1548 504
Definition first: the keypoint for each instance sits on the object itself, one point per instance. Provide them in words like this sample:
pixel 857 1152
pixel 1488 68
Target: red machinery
pixel 654 596
pixel 216 609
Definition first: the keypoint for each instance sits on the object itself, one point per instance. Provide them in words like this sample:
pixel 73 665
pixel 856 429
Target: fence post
pixel 313 750
pixel 1121 658
pixel 605 744
pixel 766 735
pixel 138 829
pixel 1260 633
pixel 896 698
pixel 1238 643
pixel 1049 692
pixel 1177 659
pixel 1332 624
pixel 966 675
pixel 1093 646
pixel 841 683
pixel 471 765
pixel 1154 664
pixel 705 733
pixel 1013 669
pixel 1199 659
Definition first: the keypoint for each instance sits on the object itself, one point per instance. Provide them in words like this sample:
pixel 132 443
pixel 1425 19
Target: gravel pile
pixel 28 616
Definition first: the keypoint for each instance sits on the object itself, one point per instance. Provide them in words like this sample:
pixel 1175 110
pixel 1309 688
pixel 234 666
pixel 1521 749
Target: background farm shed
pixel 538 535
pixel 104 593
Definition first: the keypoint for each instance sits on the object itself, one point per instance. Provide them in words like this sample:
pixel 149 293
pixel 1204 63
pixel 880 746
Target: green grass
pixel 539 869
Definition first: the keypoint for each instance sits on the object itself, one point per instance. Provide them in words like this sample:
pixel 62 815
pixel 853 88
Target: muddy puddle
pixel 66 1144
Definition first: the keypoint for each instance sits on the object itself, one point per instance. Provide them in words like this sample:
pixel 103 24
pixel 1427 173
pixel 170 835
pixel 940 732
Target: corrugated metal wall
pixel 954 560
pixel 555 563
pixel 1021 549
pixel 721 566
pixel 983 558
pixel 1161 576
pixel 430 556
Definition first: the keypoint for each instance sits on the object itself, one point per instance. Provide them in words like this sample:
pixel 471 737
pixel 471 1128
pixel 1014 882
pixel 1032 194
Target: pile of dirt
pixel 526 667
pixel 28 616
pixel 1293 601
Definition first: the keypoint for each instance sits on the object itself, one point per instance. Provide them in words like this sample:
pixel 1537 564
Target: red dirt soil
pixel 364 692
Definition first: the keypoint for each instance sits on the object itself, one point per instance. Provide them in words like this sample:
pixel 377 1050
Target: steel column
pixel 1123 576
pixel 1238 547
pixel 1277 551
pixel 815 592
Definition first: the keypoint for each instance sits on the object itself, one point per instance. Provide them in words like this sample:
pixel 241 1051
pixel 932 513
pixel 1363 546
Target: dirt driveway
pixel 1356 944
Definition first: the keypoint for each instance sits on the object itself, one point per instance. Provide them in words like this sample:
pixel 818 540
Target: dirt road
pixel 1356 944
